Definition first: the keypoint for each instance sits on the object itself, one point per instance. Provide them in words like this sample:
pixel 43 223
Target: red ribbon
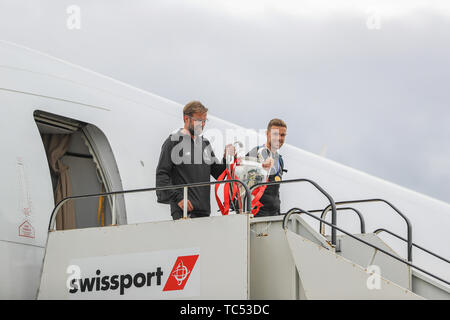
pixel 257 194
pixel 225 208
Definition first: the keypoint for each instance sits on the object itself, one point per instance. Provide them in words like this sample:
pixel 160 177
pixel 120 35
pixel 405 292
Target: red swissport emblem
pixel 180 273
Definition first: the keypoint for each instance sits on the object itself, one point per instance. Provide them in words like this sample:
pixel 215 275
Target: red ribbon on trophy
pixel 225 206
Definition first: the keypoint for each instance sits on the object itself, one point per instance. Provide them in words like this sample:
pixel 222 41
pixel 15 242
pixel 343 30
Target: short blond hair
pixel 194 107
pixel 277 123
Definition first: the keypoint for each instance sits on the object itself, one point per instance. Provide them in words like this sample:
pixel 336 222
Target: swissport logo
pixel 180 273
pixel 138 275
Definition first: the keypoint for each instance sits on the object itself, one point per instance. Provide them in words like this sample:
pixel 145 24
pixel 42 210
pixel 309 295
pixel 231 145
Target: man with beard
pixel 187 157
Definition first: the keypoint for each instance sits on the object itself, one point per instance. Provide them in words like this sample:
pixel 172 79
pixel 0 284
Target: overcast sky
pixel 365 83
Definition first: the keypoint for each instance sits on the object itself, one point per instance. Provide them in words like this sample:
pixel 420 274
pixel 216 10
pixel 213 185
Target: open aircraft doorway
pixel 81 162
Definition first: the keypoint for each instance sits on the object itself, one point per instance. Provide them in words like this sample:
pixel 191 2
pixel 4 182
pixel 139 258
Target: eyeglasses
pixel 199 120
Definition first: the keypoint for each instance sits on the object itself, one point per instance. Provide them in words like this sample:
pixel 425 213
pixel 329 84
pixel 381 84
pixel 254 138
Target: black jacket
pixel 185 160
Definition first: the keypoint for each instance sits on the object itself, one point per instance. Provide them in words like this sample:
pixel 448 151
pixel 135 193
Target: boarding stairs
pixel 237 256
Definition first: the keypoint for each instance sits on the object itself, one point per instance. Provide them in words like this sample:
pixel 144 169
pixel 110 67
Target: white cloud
pixel 318 8
pixel 378 100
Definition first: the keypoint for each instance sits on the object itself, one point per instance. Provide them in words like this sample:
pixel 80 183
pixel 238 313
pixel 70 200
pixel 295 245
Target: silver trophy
pixel 249 170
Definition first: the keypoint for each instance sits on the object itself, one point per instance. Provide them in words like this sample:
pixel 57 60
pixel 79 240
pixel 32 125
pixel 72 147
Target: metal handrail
pixel 362 222
pixel 189 185
pixel 330 199
pixel 414 245
pixel 300 211
pixel 408 223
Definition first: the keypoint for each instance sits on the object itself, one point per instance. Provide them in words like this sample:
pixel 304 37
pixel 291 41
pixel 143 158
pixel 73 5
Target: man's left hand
pixel 230 150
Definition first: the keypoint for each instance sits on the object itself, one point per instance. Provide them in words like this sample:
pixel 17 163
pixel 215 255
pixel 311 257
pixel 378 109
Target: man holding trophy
pixel 272 161
pixel 187 157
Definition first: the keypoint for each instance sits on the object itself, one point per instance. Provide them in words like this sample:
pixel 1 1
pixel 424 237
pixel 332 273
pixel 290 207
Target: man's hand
pixel 230 150
pixel 190 207
pixel 268 163
pixel 229 153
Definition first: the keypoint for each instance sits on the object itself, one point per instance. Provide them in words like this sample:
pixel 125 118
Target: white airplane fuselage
pixel 133 125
